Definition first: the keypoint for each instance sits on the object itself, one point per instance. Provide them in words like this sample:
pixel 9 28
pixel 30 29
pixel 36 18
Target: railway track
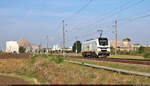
pixel 130 61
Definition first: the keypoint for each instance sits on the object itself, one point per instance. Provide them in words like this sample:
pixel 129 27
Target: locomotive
pixel 99 47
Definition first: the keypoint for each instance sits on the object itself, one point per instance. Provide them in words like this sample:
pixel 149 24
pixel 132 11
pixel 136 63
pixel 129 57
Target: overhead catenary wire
pixel 90 2
pixel 133 19
pixel 120 10
pixel 125 8
pixel 107 14
pixel 114 9
pixel 78 11
pixel 113 13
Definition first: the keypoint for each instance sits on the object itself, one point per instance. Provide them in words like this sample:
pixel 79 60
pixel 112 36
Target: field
pixel 42 69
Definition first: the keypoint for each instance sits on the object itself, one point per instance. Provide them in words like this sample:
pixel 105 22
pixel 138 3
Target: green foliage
pixel 146 55
pixel 68 51
pixel 22 49
pixel 76 45
pixel 34 56
pixel 44 56
pixel 146 49
pixel 58 59
pixel 138 52
pixel 141 50
pixel 112 50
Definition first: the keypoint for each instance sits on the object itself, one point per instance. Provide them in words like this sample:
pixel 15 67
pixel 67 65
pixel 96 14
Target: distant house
pixel 56 48
pixel 29 46
pixel 68 49
pixel 13 46
pixel 146 45
pixel 125 44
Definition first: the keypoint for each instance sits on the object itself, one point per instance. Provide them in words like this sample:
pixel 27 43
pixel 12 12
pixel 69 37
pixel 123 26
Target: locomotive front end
pixel 103 48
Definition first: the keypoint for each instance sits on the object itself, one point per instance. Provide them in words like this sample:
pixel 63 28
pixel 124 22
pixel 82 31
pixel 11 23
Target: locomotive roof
pixel 94 39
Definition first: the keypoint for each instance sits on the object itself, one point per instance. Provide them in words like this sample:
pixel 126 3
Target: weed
pixel 146 55
pixel 44 56
pixel 58 59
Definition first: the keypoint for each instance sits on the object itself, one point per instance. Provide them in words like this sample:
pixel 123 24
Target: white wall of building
pixel 56 47
pixel 12 46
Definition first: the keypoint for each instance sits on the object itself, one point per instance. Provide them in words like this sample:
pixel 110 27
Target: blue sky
pixel 34 19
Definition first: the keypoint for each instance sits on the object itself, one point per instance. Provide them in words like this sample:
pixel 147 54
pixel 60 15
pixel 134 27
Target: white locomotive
pixel 99 47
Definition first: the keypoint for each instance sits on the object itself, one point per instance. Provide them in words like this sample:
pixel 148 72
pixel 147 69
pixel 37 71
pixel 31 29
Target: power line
pixel 134 19
pixel 78 11
pixel 121 8
pixel 97 16
pixel 109 12
pixel 140 17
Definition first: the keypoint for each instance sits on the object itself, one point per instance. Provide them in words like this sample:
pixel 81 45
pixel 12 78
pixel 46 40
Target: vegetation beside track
pixel 126 57
pixel 53 70
pixel 134 67
pixel 139 52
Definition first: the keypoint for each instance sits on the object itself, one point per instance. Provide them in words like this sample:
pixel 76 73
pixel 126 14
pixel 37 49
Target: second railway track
pixel 130 61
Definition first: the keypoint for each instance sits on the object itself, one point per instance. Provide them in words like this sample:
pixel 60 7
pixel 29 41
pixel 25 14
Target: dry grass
pixel 126 57
pixel 140 68
pixel 67 73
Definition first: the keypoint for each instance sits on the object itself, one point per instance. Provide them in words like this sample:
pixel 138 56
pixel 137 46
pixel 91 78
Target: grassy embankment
pixel 54 70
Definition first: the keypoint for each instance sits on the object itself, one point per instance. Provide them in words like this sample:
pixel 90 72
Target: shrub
pixel 22 49
pixel 58 59
pixel 146 55
pixel 141 50
pixel 44 56
pixel 34 55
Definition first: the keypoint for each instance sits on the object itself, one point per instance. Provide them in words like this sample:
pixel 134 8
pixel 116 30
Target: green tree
pixel 112 50
pixel 22 49
pixel 141 50
pixel 76 45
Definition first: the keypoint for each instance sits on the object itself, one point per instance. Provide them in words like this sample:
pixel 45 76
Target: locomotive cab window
pixel 103 41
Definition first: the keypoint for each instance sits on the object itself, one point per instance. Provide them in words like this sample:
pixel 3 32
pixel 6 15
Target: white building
pixel 12 46
pixel 56 47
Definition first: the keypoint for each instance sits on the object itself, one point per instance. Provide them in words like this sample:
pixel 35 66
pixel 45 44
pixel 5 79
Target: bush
pixel 44 56
pixel 146 55
pixel 34 56
pixel 22 49
pixel 141 50
pixel 58 59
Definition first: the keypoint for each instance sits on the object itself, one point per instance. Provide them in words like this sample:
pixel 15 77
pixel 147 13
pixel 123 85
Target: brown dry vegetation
pixel 46 70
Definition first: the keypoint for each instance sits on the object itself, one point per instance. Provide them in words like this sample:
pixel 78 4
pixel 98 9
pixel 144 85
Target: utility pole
pixel 63 34
pixel 115 37
pixel 76 45
pixel 63 28
pixel 47 45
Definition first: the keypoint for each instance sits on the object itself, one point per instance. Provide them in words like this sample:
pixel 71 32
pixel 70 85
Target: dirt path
pixel 12 80
pixel 35 81
pixel 12 55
